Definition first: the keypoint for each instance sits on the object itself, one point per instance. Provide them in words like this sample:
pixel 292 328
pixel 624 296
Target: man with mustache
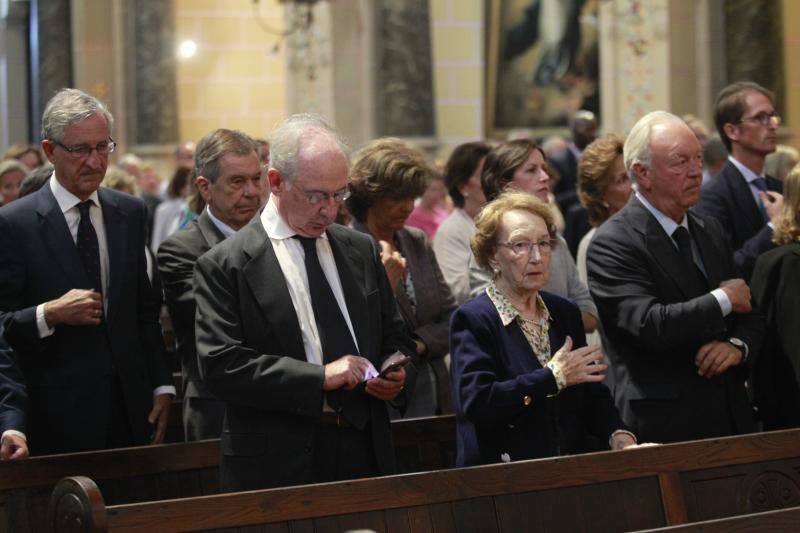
pixel 675 317
pixel 76 304
pixel 745 200
pixel 295 316
pixel 230 179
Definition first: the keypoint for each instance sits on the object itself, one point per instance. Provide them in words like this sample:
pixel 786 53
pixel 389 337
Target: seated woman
pixel 525 385
pixel 386 177
pixel 776 293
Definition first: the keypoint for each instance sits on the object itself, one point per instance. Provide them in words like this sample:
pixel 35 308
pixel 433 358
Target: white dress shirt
pixel 291 259
pixel 225 229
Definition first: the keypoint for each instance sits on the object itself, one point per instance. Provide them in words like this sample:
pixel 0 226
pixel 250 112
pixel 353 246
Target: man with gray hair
pixel 295 317
pixel 676 322
pixel 76 304
pixel 231 180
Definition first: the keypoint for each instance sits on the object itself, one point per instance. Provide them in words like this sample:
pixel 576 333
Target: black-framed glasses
pixel 545 246
pixel 765 119
pixel 83 151
pixel 315 197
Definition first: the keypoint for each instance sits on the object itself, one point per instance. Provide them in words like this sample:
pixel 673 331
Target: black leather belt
pixel 334 419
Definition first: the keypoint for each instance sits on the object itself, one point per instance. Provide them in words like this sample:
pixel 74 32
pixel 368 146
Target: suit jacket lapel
pixel 743 197
pixel 662 247
pixel 348 263
pixel 265 278
pixel 709 251
pixel 115 222
pixel 55 234
pixel 208 230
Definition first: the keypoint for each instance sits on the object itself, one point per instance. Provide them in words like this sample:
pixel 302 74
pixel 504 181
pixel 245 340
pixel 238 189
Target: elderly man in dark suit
pixel 75 301
pixel 231 180
pixel 675 320
pixel 741 197
pixel 294 316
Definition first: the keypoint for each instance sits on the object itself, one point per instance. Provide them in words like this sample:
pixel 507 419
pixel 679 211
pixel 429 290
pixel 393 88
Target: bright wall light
pixel 188 48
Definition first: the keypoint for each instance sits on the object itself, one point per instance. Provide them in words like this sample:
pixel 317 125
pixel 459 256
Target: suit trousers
pixel 343 453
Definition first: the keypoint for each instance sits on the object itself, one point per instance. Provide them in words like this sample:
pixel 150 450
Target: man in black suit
pixel 741 197
pixel 13 399
pixel 230 179
pixel 76 304
pixel 676 323
pixel 294 314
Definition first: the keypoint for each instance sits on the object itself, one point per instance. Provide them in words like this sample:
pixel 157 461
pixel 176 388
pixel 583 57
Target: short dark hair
pixel 730 105
pixel 461 165
pixel 179 181
pixel 386 168
pixel 502 162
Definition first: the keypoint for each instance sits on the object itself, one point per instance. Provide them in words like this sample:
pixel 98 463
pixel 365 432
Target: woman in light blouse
pixel 525 385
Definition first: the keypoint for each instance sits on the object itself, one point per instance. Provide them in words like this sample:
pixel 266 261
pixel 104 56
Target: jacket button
pixel 527 399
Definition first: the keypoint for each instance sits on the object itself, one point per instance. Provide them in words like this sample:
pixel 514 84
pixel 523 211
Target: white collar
pixel 66 200
pixel 664 221
pixel 225 229
pixel 749 175
pixel 275 226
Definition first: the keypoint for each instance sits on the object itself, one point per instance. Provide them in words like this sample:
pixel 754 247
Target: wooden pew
pixel 150 473
pixel 609 491
pixel 781 521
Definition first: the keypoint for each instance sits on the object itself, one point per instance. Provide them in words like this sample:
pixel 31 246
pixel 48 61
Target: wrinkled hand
pixel 394 263
pixel 78 307
pixel 738 293
pixel 159 416
pixel 622 440
pixel 389 387
pixel 715 357
pixel 773 204
pixel 346 372
pixel 580 366
pixel 13 447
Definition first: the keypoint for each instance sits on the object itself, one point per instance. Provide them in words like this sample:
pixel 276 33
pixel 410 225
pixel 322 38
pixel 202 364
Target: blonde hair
pixel 787 229
pixel 489 220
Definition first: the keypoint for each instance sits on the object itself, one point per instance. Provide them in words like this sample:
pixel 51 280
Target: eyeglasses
pixel 520 248
pixel 316 197
pixel 83 151
pixel 765 119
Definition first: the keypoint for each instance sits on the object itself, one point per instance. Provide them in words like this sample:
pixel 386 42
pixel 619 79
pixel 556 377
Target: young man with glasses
pixel 76 305
pixel 741 196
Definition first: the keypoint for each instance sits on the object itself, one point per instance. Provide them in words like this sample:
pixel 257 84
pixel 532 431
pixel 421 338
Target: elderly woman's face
pixel 523 252
pixel 390 214
pixel 618 189
pixel 530 177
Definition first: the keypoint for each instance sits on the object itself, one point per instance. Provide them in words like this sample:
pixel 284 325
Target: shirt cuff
pixel 555 368
pixel 41 323
pixel 9 432
pixel 617 432
pixel 164 389
pixel 723 301
pixel 771 225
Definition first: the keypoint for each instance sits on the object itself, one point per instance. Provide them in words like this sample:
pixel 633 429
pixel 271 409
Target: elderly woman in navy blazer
pixel 525 385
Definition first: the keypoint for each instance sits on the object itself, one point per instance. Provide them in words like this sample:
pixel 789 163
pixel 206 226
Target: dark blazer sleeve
pixel 484 389
pixel 13 396
pixel 176 259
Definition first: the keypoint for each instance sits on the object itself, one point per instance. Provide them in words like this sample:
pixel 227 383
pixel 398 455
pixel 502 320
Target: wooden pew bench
pixel 609 491
pixel 150 473
pixel 781 521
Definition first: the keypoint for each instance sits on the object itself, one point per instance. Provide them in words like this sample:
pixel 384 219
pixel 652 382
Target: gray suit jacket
pixel 251 353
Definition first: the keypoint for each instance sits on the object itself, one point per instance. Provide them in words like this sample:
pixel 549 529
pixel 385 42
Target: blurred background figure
pixel 780 162
pixel 715 155
pixel 462 177
pixel 12 172
pixel 27 154
pixel 133 165
pixel 169 213
pixel 118 179
pixel 184 155
pixel 583 128
pixel 698 128
pixel 431 209
pixel 776 293
pixel 386 176
pixel 35 179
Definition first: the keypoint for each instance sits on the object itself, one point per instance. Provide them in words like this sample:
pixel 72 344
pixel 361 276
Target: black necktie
pixel 683 239
pixel 334 334
pixel 88 248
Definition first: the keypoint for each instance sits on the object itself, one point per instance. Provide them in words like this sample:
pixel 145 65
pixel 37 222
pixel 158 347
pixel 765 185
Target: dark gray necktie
pixel 334 334
pixel 760 183
pixel 683 239
pixel 88 247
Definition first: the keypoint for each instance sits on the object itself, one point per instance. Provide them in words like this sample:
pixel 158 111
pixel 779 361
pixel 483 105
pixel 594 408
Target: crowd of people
pixel 600 292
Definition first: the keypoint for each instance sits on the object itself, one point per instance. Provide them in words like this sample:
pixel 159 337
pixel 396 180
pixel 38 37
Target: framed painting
pixel 542 64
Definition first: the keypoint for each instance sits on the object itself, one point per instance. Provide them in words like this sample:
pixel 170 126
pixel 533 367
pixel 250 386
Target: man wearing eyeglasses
pixel 76 304
pixel 230 178
pixel 295 318
pixel 741 196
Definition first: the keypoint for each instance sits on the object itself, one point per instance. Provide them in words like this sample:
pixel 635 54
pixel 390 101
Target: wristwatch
pixel 740 344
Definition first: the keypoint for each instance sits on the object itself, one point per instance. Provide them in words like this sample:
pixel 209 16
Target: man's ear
pixel 641 175
pixel 731 130
pixel 274 180
pixel 48 147
pixel 203 186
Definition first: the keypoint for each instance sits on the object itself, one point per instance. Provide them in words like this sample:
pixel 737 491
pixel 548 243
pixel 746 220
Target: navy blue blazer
pixel 500 389
pixel 727 197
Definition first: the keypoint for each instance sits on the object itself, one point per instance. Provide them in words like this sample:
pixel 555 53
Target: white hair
pixel 285 141
pixel 67 107
pixel 637 144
